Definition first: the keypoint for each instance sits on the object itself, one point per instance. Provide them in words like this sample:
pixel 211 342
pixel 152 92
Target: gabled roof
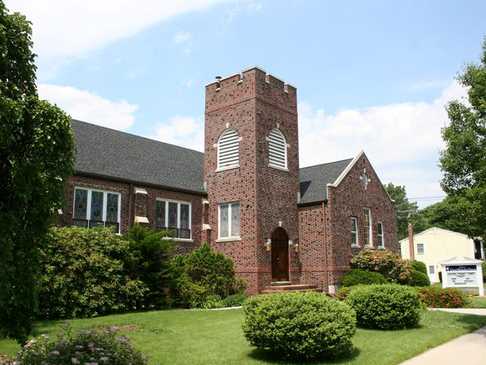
pixel 109 153
pixel 436 229
pixel 314 180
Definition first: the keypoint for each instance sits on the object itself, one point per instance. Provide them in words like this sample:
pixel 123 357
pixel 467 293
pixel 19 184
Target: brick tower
pixel 251 172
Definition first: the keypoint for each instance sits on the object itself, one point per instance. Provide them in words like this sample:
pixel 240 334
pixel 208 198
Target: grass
pixel 215 337
pixel 477 302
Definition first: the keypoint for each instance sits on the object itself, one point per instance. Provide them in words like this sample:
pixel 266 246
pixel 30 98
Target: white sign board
pixel 461 272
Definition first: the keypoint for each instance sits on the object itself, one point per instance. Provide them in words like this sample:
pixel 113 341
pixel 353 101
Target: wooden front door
pixel 280 255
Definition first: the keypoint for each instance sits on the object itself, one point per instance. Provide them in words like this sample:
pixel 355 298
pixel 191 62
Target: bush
pixel 358 276
pixel 343 292
pixel 83 274
pixel 88 347
pixel 150 251
pixel 234 300
pixel 436 297
pixel 419 266
pixel 388 306
pixel 418 278
pixel 199 276
pixel 390 265
pixel 299 325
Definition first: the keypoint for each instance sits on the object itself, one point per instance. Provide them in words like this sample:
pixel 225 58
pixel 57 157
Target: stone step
pixel 281 288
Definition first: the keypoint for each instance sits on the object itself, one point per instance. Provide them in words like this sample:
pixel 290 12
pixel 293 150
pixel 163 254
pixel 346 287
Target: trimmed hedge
pixel 388 306
pixel 86 347
pixel 299 325
pixel 387 263
pixel 437 297
pixel 419 266
pixel 418 278
pixel 358 276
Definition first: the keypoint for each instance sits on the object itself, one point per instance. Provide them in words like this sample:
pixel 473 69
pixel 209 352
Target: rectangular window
pixel 431 269
pixel 354 231
pixel 229 221
pixel 380 234
pixel 173 216
pixel 96 208
pixel 368 223
pixel 420 249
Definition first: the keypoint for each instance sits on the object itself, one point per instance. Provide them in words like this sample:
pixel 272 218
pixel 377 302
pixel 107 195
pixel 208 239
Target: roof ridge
pixel 136 135
pixel 326 163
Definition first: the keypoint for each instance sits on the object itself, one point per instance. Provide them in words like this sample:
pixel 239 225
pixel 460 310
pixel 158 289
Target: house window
pixel 380 234
pixel 173 216
pixel 228 150
pixel 354 231
pixel 432 270
pixel 368 223
pixel 229 221
pixel 96 208
pixel 420 249
pixel 277 149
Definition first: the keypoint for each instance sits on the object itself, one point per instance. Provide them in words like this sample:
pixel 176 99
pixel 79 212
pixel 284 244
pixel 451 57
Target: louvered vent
pixel 228 149
pixel 277 149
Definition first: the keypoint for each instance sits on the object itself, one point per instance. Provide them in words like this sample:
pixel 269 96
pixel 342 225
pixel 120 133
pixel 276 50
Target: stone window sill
pixel 227 168
pixel 229 239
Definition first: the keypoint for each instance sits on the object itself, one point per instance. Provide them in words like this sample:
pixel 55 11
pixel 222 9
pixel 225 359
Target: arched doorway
pixel 280 255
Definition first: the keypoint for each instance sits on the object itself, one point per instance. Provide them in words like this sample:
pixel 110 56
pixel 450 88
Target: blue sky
pixel 372 75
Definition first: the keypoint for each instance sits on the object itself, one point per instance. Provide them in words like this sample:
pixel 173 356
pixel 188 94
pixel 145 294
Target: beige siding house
pixel 436 244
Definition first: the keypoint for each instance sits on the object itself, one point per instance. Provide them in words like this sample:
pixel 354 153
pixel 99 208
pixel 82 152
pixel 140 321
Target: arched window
pixel 277 149
pixel 228 149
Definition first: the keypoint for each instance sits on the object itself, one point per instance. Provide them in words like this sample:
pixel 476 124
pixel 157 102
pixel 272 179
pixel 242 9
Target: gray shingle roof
pixel 110 153
pixel 106 152
pixel 314 180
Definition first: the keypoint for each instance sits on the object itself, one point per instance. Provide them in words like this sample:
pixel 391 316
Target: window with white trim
pixel 277 149
pixel 432 270
pixel 96 208
pixel 420 248
pixel 381 235
pixel 354 231
pixel 368 223
pixel 228 150
pixel 229 221
pixel 173 216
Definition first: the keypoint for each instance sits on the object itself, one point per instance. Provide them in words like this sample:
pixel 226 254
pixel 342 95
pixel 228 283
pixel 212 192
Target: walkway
pixel 469 349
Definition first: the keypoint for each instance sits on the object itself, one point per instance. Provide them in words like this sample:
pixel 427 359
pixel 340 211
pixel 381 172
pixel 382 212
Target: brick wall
pixel 146 203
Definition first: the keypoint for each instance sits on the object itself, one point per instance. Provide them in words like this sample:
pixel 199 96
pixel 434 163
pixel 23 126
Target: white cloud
pixel 402 140
pixel 86 106
pixel 183 131
pixel 66 29
pixel 182 37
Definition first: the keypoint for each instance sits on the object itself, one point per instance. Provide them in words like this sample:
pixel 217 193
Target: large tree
pixel 403 207
pixel 36 156
pixel 463 161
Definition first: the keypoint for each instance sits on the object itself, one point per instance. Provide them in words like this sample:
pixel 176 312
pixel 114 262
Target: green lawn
pixel 215 337
pixel 477 302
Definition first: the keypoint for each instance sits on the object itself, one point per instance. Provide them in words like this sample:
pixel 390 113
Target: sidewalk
pixel 469 349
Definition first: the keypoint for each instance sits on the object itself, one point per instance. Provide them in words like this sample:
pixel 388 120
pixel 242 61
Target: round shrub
pixel 388 306
pixel 88 347
pixel 299 325
pixel 436 297
pixel 358 276
pixel 418 278
pixel 419 266
pixel 387 263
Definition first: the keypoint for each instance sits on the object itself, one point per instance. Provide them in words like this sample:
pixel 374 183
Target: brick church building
pixel 245 195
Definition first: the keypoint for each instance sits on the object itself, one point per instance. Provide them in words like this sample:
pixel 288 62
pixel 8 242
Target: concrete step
pixel 281 288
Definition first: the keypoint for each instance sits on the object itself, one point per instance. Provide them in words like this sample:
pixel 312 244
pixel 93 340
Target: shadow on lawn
pixel 274 358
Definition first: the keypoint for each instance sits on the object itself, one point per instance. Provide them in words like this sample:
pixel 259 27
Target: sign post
pixel 462 272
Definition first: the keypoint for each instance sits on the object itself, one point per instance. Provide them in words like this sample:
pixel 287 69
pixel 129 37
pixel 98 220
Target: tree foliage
pixel 463 161
pixel 403 207
pixel 36 156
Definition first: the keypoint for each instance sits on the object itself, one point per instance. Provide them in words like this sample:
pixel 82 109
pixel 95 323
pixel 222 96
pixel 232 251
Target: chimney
pixel 410 242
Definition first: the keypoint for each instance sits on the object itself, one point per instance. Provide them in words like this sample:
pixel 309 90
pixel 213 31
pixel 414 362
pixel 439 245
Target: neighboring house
pixel 246 195
pixel 436 244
